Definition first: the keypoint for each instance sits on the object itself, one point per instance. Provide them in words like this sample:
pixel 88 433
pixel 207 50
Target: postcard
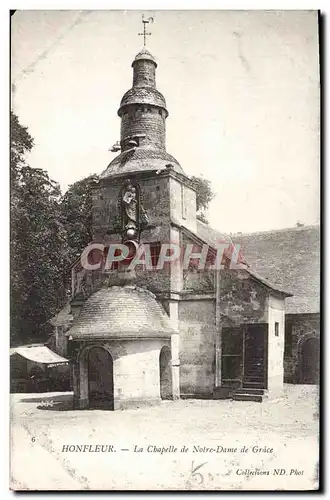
pixel 165 250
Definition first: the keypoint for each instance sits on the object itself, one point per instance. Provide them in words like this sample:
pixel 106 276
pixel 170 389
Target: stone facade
pixel 276 340
pixel 136 372
pixel 301 329
pixel 243 302
pixel 130 330
pixel 290 258
pixel 242 299
pixel 147 121
pixel 197 341
pixel 173 330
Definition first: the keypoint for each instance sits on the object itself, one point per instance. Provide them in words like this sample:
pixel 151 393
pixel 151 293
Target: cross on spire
pixel 145 34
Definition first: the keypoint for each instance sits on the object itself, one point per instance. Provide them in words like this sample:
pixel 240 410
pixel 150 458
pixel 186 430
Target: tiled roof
pixel 213 237
pixel 144 54
pixel 143 95
pixel 289 258
pixel 139 159
pixel 116 311
pixel 210 235
pixel 63 318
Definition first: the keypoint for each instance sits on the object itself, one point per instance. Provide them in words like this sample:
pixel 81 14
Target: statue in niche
pixel 130 205
pixel 133 215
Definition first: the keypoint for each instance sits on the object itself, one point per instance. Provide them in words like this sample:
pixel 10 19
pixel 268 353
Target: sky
pixel 242 90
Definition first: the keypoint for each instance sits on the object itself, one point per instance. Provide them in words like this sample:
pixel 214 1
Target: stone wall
pixel 144 73
pixel 146 120
pixel 165 199
pixel 297 326
pixel 194 279
pixel 183 204
pixel 276 336
pixel 155 198
pixel 243 300
pixel 197 347
pixel 58 342
pixel 136 372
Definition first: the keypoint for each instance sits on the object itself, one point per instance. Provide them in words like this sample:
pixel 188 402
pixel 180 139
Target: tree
pixel 76 212
pixel 48 232
pixel 20 143
pixel 76 216
pixel 204 195
pixel 38 243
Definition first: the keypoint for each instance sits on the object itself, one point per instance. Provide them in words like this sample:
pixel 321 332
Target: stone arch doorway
pixel 309 360
pixel 165 373
pixel 100 379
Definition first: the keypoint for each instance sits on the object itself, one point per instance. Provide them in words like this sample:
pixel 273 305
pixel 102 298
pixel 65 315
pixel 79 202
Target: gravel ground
pixel 186 444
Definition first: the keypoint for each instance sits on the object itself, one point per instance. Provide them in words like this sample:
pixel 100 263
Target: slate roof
pixel 119 312
pixel 64 317
pixel 143 95
pixel 143 158
pixel 289 258
pixel 213 237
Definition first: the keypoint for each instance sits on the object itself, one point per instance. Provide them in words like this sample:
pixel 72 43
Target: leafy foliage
pixel 48 232
pixel 204 196
pixel 76 215
pixel 38 243
pixel 20 143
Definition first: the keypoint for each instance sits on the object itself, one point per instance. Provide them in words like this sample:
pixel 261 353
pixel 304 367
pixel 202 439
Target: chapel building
pixel 173 331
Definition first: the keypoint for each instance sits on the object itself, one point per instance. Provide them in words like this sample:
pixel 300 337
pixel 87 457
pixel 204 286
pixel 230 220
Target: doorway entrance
pixel 255 362
pixel 309 361
pixel 100 379
pixel 165 373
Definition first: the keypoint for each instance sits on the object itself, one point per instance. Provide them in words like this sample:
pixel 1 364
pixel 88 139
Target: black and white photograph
pixel 164 250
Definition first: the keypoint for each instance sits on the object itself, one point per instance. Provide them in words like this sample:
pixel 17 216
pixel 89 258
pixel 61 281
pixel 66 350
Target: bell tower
pixel 143 108
pixel 142 200
pixel 144 196
pixel 143 114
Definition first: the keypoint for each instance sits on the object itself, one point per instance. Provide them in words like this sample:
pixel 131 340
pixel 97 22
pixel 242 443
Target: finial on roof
pixel 144 54
pixel 145 34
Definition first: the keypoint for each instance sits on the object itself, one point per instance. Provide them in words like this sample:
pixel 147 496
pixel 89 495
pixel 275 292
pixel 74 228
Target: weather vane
pixel 145 34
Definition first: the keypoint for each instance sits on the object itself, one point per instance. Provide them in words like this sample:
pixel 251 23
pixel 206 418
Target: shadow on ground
pixel 51 402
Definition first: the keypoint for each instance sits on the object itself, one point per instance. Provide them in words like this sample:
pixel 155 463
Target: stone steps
pixel 252 390
pixel 247 397
pixel 249 394
pixel 253 384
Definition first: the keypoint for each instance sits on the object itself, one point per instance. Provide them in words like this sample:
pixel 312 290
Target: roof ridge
pixel 282 230
pixel 208 226
pixel 122 288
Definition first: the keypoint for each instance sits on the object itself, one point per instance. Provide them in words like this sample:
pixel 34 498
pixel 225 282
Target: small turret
pixel 143 108
pixel 143 113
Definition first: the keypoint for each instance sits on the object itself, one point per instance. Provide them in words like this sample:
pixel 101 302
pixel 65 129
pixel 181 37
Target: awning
pixel 39 354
